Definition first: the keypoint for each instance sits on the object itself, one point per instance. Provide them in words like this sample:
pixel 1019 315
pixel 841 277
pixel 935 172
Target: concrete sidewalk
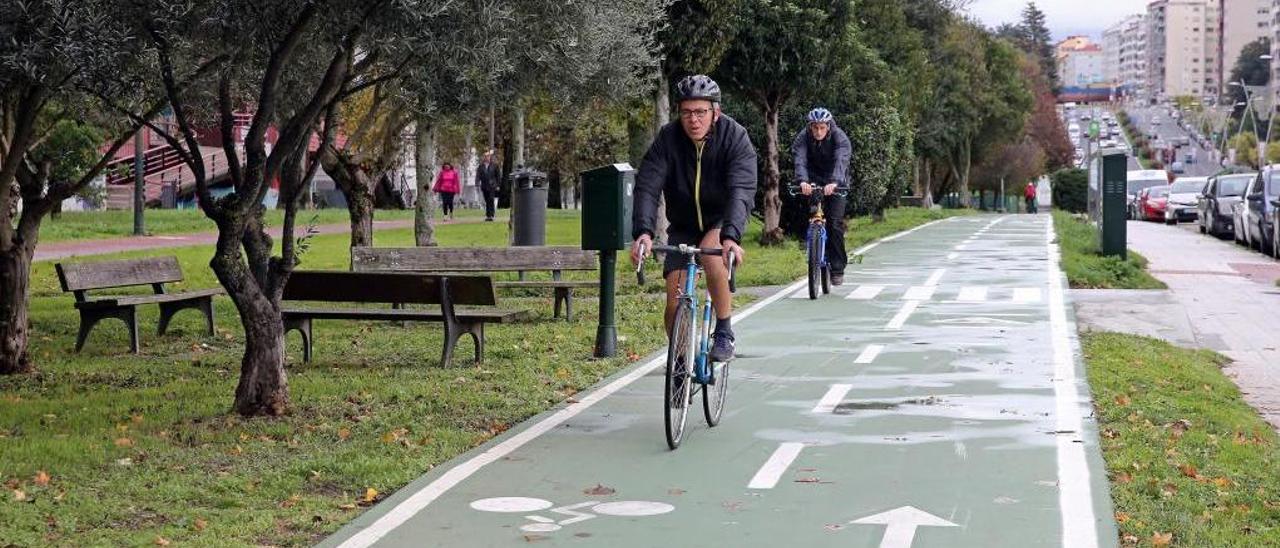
pixel 79 248
pixel 1220 297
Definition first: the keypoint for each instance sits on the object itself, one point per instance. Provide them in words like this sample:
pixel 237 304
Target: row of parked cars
pixel 1242 206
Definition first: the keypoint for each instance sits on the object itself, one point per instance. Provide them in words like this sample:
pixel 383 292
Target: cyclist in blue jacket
pixel 822 163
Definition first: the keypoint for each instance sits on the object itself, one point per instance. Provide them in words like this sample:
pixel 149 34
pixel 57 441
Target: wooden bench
pixel 395 288
pixel 80 278
pixel 557 259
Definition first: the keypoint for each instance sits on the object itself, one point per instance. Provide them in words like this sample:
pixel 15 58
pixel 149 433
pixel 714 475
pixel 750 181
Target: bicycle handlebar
pixel 686 250
pixel 794 190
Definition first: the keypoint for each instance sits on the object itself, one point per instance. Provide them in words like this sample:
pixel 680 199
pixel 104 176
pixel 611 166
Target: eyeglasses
pixel 698 113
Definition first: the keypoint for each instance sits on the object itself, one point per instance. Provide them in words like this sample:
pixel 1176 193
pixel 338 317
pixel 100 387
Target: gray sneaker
pixel 837 279
pixel 721 347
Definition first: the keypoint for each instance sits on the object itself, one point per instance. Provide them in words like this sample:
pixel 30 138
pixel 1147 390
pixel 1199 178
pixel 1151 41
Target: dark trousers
pixel 490 202
pixel 833 210
pixel 1031 205
pixel 446 202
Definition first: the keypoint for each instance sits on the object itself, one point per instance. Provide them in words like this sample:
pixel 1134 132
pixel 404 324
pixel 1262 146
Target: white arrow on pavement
pixel 902 523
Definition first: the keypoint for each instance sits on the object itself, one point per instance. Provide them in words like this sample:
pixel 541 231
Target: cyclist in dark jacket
pixel 705 167
pixel 822 162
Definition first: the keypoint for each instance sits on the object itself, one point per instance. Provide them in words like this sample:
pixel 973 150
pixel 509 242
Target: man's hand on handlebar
pixel 641 248
pixel 731 247
pixel 829 189
pixel 806 188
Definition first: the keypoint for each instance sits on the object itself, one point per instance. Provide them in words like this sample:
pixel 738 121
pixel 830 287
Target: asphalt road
pixel 1168 130
pixel 936 399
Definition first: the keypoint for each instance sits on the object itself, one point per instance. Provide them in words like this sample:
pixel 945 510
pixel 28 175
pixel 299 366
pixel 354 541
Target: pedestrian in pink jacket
pixel 447 186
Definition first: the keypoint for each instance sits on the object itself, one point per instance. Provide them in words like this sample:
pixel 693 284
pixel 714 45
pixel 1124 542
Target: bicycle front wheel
pixel 679 383
pixel 713 396
pixel 814 269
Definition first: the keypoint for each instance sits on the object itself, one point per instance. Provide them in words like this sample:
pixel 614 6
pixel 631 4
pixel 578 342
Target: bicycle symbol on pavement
pixel 543 524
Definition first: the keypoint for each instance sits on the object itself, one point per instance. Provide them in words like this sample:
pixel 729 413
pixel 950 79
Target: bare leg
pixel 717 276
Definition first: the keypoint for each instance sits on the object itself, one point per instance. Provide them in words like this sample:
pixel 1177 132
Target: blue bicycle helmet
pixel 819 115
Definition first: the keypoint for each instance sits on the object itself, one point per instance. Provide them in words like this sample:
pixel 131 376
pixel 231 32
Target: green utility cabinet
pixel 606 206
pixel 1113 195
pixel 606 227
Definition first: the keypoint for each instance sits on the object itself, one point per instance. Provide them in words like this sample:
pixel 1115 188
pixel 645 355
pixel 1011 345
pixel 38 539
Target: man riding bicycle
pixel 822 162
pixel 705 167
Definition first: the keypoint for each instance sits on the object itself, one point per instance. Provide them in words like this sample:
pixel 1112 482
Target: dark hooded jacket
pixel 721 194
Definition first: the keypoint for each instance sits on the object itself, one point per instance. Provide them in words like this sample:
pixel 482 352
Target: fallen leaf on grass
pixel 1130 539
pixel 370 494
pixel 1109 433
pixel 1180 427
pixel 161 541
pixel 599 490
pixel 1123 477
pixel 347 506
pixel 19 495
pixel 1222 482
pixel 1161 539
pixel 1121 517
pixel 1169 490
pixel 344 433
pixel 124 442
pixel 535 538
pixel 1123 399
pixel 1189 471
pixel 200 524
pixel 290 502
pixel 42 478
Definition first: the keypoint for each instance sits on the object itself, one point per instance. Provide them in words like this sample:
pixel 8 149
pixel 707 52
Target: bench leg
pixel 564 294
pixel 303 327
pixel 168 310
pixel 90 318
pixel 454 332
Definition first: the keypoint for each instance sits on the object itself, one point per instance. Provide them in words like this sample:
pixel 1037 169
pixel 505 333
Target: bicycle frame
pixel 688 298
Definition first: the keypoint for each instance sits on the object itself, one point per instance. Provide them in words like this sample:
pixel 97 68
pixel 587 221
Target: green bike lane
pixel 936 399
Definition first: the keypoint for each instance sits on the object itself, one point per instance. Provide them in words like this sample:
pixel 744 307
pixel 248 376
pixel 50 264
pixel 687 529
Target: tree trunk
pixel 15 278
pixel 927 196
pixel 517 133
pixel 772 234
pixel 264 386
pixel 493 128
pixel 357 188
pixel 470 191
pixel 661 117
pixel 424 224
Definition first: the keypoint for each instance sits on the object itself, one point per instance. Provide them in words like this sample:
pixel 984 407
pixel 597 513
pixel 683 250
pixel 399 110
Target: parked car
pixel 1177 168
pixel 1215 203
pixel 1184 195
pixel 1138 180
pixel 1152 202
pixel 1259 209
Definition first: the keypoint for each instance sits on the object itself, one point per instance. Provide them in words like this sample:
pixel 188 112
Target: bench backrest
pixel 471 259
pixel 81 277
pixel 388 287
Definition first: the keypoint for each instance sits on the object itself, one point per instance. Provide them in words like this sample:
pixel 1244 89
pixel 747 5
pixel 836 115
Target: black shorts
pixel 675 261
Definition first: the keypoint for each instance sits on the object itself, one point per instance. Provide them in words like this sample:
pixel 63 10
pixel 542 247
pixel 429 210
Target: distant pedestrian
pixel 448 187
pixel 487 177
pixel 1030 194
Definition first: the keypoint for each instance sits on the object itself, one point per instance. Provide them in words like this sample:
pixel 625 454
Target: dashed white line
pixel 935 277
pixel 769 474
pixel 1026 295
pixel 900 318
pixel 920 293
pixel 972 295
pixel 832 398
pixel 865 292
pixel 869 353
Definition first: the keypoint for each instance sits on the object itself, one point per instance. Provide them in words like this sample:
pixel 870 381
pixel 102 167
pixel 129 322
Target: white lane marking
pixel 1025 295
pixel 900 318
pixel 420 499
pixel 869 353
pixel 935 277
pixel 1075 497
pixel 803 293
pixel 920 293
pixel 769 474
pixel 901 525
pixel 832 398
pixel 511 504
pixel 962 247
pixel 892 237
pixel 865 292
pixel 953 256
pixel 972 295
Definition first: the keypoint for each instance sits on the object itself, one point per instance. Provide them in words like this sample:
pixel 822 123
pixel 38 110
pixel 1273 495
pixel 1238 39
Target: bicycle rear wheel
pixel 679 384
pixel 814 269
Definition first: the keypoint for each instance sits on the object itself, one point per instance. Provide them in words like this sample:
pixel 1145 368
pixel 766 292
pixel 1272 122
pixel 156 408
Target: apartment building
pixel 1184 44
pixel 1112 38
pixel 1243 21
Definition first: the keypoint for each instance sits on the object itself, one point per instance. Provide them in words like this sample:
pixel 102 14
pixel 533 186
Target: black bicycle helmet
pixel 698 86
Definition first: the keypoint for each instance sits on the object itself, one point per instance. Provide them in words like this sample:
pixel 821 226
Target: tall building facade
pixel 1125 45
pixel 1183 48
pixel 1111 40
pixel 1243 21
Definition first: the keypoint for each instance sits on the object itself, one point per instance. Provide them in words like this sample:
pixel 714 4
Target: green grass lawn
pixel 1186 456
pixel 95 225
pixel 1085 266
pixel 108 448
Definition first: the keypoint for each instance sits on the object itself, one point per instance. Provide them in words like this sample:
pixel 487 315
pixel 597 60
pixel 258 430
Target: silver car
pixel 1184 197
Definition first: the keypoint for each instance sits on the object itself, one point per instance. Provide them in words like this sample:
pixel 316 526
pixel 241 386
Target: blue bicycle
pixel 815 240
pixel 688 344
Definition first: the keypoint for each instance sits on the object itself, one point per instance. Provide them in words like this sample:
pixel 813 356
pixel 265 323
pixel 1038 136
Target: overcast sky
pixel 1064 17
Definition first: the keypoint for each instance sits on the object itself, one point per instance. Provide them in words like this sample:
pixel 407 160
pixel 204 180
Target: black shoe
pixel 488 219
pixel 721 347
pixel 837 279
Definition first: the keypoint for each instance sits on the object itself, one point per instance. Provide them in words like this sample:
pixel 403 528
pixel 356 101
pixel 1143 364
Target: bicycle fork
pixel 702 367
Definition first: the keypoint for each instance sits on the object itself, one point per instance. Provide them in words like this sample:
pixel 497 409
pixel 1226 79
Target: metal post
pixel 607 332
pixel 139 186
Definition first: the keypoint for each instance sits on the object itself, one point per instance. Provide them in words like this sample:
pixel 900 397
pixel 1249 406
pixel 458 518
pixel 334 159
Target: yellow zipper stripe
pixel 697 186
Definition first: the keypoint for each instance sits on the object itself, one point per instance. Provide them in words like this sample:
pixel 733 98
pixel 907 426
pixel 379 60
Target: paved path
pixel 936 399
pixel 76 248
pixel 1221 297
